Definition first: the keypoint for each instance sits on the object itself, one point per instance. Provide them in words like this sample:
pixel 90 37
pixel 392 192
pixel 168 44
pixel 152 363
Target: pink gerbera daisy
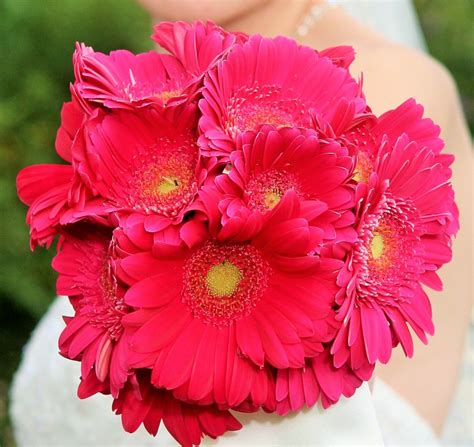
pixel 362 133
pixel 198 45
pixel 210 317
pixel 365 138
pixel 270 162
pixel 405 219
pixel 318 380
pixel 94 335
pixel 54 192
pixel 143 162
pixel 126 80
pixel 252 87
pixel 141 403
pixel 45 189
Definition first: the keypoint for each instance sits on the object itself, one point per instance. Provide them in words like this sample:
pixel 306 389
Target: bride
pixel 411 399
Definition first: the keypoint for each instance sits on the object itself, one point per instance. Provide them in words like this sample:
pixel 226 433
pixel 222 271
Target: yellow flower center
pixel 363 168
pixel 165 96
pixel 357 176
pixel 167 185
pixel 269 115
pixel 223 279
pixel 271 199
pixel 377 246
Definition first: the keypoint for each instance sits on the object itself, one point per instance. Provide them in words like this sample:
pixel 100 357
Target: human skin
pixel 392 73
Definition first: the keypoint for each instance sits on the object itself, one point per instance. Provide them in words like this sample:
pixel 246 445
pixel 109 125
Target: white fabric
pixel 459 427
pixel 399 422
pixel 46 411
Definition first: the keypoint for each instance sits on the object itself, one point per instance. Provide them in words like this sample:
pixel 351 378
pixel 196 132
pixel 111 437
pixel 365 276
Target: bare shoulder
pixel 393 73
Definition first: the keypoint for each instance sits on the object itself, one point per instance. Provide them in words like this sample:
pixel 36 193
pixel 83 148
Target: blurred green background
pixel 36 42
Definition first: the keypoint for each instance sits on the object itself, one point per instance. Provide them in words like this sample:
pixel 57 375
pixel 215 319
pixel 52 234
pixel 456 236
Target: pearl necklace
pixel 315 14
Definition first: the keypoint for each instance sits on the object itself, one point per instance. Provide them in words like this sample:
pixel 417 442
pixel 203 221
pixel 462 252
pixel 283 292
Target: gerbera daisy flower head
pixel 94 335
pixel 125 80
pixel 55 193
pixel 140 403
pixel 405 218
pixel 362 133
pixel 408 119
pixel 270 162
pixel 223 309
pixel 198 45
pixel 56 198
pixel 145 162
pixel 45 189
pixel 365 139
pixel 252 87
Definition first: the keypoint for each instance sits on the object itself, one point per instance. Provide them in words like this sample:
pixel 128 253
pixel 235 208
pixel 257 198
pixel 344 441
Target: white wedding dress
pixel 46 412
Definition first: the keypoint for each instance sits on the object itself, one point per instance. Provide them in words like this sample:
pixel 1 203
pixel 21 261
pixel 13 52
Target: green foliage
pixel 36 44
pixel 448 27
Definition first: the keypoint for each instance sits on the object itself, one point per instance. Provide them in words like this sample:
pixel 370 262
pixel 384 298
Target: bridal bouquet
pixel 237 229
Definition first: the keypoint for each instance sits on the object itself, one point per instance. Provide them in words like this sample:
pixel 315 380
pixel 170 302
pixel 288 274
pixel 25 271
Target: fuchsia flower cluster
pixel 237 230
